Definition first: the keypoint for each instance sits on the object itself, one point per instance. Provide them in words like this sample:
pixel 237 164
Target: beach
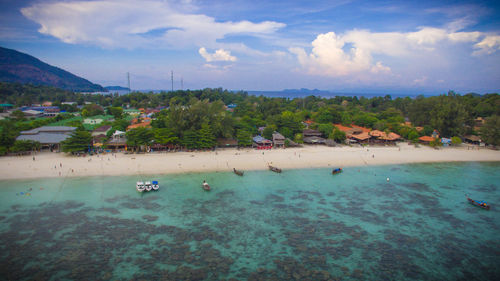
pixel 49 165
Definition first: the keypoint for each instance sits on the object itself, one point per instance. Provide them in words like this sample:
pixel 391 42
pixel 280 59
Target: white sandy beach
pixel 49 164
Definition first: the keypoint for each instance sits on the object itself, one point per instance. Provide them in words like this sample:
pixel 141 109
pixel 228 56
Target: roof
pixel 49 129
pixel 314 139
pixel 32 112
pixel 365 130
pixel 118 133
pixel 45 138
pixel 311 132
pixel 139 125
pixel 377 133
pixel 426 138
pixel 260 139
pixel 6 105
pixel 393 136
pixel 278 136
pixel 343 128
pixel 472 138
pixel 362 136
pixel 103 128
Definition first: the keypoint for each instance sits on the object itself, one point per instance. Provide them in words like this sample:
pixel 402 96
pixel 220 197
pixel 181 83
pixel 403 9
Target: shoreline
pixel 53 165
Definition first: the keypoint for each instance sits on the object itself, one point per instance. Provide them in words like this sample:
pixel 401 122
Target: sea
pixel 395 222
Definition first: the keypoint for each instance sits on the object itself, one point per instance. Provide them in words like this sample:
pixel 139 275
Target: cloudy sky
pixel 339 45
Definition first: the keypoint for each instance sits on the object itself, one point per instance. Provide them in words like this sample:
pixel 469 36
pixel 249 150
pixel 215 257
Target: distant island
pixel 116 88
pixel 23 68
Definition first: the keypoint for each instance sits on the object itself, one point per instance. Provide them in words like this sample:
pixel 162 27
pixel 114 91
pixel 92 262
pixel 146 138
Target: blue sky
pixel 340 45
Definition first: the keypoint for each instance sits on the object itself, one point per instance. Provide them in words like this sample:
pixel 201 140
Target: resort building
pixel 261 143
pixel 48 136
pixel 32 113
pixel 118 141
pixel 278 140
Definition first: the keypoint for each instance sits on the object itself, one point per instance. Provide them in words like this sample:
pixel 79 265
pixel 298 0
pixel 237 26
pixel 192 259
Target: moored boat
pixel 140 186
pixel 274 169
pixel 148 186
pixel 205 186
pixel 239 173
pixel 337 171
pixel 480 204
pixel 156 185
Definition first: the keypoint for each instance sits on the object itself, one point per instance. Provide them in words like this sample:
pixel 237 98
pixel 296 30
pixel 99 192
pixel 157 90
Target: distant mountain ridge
pixel 23 68
pixel 116 88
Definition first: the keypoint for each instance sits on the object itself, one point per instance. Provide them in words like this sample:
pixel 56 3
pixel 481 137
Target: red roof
pixel 362 136
pixel 426 138
pixel 343 128
pixel 365 130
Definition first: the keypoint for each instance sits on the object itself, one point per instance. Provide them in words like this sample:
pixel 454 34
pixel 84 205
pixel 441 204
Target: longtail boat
pixel 239 173
pixel 274 169
pixel 480 204
pixel 337 171
pixel 205 186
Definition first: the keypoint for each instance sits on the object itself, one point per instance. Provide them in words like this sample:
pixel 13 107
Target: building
pixel 426 139
pixel 48 136
pixel 278 140
pixel 103 130
pixel 32 113
pixel 262 143
pixel 311 133
pixel 51 112
pixel 118 141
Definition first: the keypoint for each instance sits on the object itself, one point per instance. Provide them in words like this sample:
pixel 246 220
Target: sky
pixel 394 47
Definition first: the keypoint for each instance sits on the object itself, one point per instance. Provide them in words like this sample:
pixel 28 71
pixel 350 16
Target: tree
pixel 92 110
pixel 206 137
pixel 337 135
pixel 139 136
pixel 79 141
pixel 325 129
pixel 17 114
pixel 164 136
pixel 456 141
pixel 413 136
pixel 244 137
pixel 117 112
pixel 190 139
pixel 25 145
pixel 268 131
pixel 490 132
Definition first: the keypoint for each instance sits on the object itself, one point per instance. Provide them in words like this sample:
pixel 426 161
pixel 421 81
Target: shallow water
pixel 302 224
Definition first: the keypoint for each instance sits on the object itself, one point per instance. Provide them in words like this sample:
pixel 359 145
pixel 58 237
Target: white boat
pixel 148 186
pixel 140 186
pixel 156 185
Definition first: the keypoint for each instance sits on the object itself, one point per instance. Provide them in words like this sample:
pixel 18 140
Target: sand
pixel 48 164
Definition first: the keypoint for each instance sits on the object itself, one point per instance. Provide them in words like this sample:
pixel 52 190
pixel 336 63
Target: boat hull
pixel 477 204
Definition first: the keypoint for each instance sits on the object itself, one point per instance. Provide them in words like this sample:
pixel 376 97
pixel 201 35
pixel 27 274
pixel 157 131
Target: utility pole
pixel 172 78
pixel 182 84
pixel 128 82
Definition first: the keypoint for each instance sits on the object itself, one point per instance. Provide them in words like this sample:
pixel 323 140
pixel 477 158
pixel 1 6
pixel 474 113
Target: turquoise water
pixel 298 225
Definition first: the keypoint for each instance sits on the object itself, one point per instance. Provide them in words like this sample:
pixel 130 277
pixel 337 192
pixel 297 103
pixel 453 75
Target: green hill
pixel 23 68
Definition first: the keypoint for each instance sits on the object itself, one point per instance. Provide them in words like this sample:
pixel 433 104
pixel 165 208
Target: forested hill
pixel 23 68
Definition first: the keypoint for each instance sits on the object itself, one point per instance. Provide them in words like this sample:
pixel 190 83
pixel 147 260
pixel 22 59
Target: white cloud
pixel 219 55
pixel 338 55
pixel 488 45
pixel 131 24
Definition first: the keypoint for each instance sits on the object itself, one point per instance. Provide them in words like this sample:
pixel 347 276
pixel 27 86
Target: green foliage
pixel 325 129
pixel 120 125
pixel 413 136
pixel 244 137
pixel 268 131
pixel 436 142
pixel 337 135
pixel 25 145
pixel 328 115
pixel 117 112
pixel 299 138
pixel 287 142
pixel 79 141
pixel 206 138
pixel 456 141
pixel 139 136
pixel 190 139
pixel 92 110
pixel 490 132
pixel 164 136
pixel 17 114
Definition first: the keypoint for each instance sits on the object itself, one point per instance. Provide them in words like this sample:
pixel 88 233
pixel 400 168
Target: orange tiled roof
pixel 362 136
pixel 377 133
pixel 143 124
pixel 426 138
pixel 365 130
pixel 343 128
pixel 393 136
pixel 419 129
